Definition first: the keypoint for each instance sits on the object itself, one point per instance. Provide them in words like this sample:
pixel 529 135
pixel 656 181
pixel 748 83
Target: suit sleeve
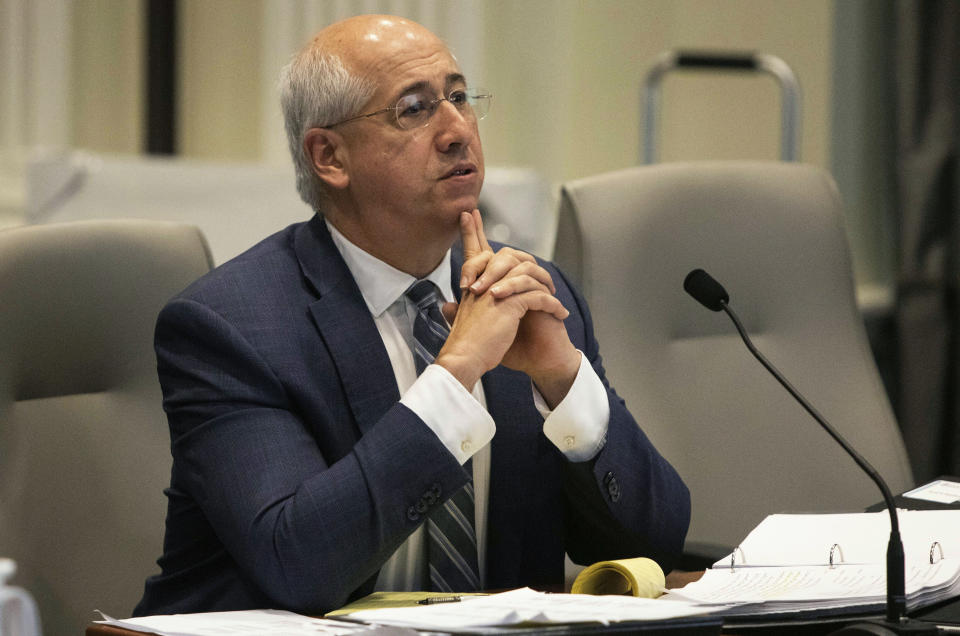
pixel 305 530
pixel 628 500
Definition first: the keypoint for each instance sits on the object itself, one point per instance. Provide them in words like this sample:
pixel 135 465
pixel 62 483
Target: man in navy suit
pixel 308 452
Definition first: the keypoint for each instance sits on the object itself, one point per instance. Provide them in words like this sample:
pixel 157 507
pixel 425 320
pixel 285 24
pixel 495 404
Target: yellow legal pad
pixel 382 600
pixel 631 577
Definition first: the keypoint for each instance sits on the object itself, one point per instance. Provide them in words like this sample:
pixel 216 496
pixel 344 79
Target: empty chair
pixel 773 235
pixel 238 204
pixel 84 448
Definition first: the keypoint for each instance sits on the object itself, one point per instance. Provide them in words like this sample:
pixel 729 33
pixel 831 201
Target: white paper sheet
pixel 252 622
pixel 939 491
pixel 525 606
pixel 797 539
pixel 811 587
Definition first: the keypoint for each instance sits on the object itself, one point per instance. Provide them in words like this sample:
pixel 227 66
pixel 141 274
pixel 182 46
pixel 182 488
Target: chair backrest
pixel 772 234
pixel 237 204
pixel 84 448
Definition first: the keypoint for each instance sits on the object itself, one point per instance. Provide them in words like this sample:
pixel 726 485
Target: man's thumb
pixel 449 311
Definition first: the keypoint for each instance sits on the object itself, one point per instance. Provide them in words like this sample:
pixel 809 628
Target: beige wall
pixel 107 73
pixel 219 82
pixel 567 76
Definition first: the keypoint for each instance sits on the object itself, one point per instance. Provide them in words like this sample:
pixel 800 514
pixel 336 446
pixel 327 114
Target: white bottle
pixel 18 612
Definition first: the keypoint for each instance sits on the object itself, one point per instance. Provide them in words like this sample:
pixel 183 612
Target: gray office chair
pixel 84 448
pixel 772 234
pixel 226 200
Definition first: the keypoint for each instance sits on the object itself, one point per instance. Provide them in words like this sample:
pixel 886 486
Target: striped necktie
pixel 452 541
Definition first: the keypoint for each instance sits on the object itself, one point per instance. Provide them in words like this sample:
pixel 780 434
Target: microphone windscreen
pixel 707 291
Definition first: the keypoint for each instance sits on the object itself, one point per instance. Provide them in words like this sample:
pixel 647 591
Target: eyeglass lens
pixel 416 109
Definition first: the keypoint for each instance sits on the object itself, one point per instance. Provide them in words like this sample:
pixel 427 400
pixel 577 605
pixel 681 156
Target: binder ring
pixel 939 548
pixel 835 548
pixel 733 558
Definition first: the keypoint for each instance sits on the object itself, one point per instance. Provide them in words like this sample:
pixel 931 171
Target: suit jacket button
pixel 412 514
pixel 422 505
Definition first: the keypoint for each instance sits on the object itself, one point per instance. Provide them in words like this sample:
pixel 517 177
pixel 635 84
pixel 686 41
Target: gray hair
pixel 317 90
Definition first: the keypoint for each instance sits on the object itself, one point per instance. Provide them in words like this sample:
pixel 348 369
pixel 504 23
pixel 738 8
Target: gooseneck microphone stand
pixel 713 296
pixel 896 594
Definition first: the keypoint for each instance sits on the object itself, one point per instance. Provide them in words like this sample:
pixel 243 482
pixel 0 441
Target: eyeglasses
pixel 415 109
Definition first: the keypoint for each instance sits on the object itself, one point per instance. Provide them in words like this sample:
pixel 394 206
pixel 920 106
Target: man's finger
pixel 505 265
pixel 473 267
pixel 499 265
pixel 478 222
pixel 517 285
pixel 469 235
pixel 543 301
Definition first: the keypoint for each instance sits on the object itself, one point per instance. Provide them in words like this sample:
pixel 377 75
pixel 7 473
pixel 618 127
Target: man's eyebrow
pixel 456 78
pixel 452 78
pixel 413 88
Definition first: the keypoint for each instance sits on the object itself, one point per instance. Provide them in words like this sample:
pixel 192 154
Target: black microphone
pixel 713 296
pixel 706 290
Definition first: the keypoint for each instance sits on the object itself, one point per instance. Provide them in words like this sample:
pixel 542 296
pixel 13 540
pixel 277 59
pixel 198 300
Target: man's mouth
pixel 459 172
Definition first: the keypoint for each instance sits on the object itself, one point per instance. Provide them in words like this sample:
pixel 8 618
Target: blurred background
pixel 110 85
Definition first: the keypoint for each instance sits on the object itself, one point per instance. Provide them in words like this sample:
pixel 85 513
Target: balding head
pixel 366 42
pixel 334 76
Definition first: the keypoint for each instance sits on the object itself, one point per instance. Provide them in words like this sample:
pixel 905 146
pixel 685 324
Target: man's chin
pixel 461 204
pixel 471 202
pixel 462 198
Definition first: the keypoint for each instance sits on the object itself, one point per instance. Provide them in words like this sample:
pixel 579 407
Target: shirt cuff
pixel 578 426
pixel 450 411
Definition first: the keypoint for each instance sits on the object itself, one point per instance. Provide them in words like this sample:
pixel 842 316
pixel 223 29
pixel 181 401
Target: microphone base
pixel 906 626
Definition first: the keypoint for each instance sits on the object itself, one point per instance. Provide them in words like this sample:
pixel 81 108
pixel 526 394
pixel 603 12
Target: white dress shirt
pixel 577 426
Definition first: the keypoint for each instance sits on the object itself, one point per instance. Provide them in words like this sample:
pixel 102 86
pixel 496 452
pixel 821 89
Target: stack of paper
pixel 250 622
pixel 470 613
pixel 527 607
pixel 784 564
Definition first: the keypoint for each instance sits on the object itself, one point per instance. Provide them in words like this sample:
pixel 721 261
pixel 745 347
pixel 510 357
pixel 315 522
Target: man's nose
pixel 454 127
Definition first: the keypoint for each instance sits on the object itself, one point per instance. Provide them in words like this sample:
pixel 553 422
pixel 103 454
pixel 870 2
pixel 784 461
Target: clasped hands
pixel 508 315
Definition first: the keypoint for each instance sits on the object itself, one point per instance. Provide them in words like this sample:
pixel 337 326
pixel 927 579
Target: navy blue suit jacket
pixel 297 472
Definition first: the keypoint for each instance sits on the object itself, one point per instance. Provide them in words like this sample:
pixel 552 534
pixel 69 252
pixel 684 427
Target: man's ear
pixel 325 149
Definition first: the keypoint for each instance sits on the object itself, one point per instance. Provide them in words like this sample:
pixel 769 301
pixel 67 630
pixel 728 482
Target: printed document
pixel 528 606
pixel 251 622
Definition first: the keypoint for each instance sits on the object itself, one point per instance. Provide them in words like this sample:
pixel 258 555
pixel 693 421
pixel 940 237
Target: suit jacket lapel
pixel 346 326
